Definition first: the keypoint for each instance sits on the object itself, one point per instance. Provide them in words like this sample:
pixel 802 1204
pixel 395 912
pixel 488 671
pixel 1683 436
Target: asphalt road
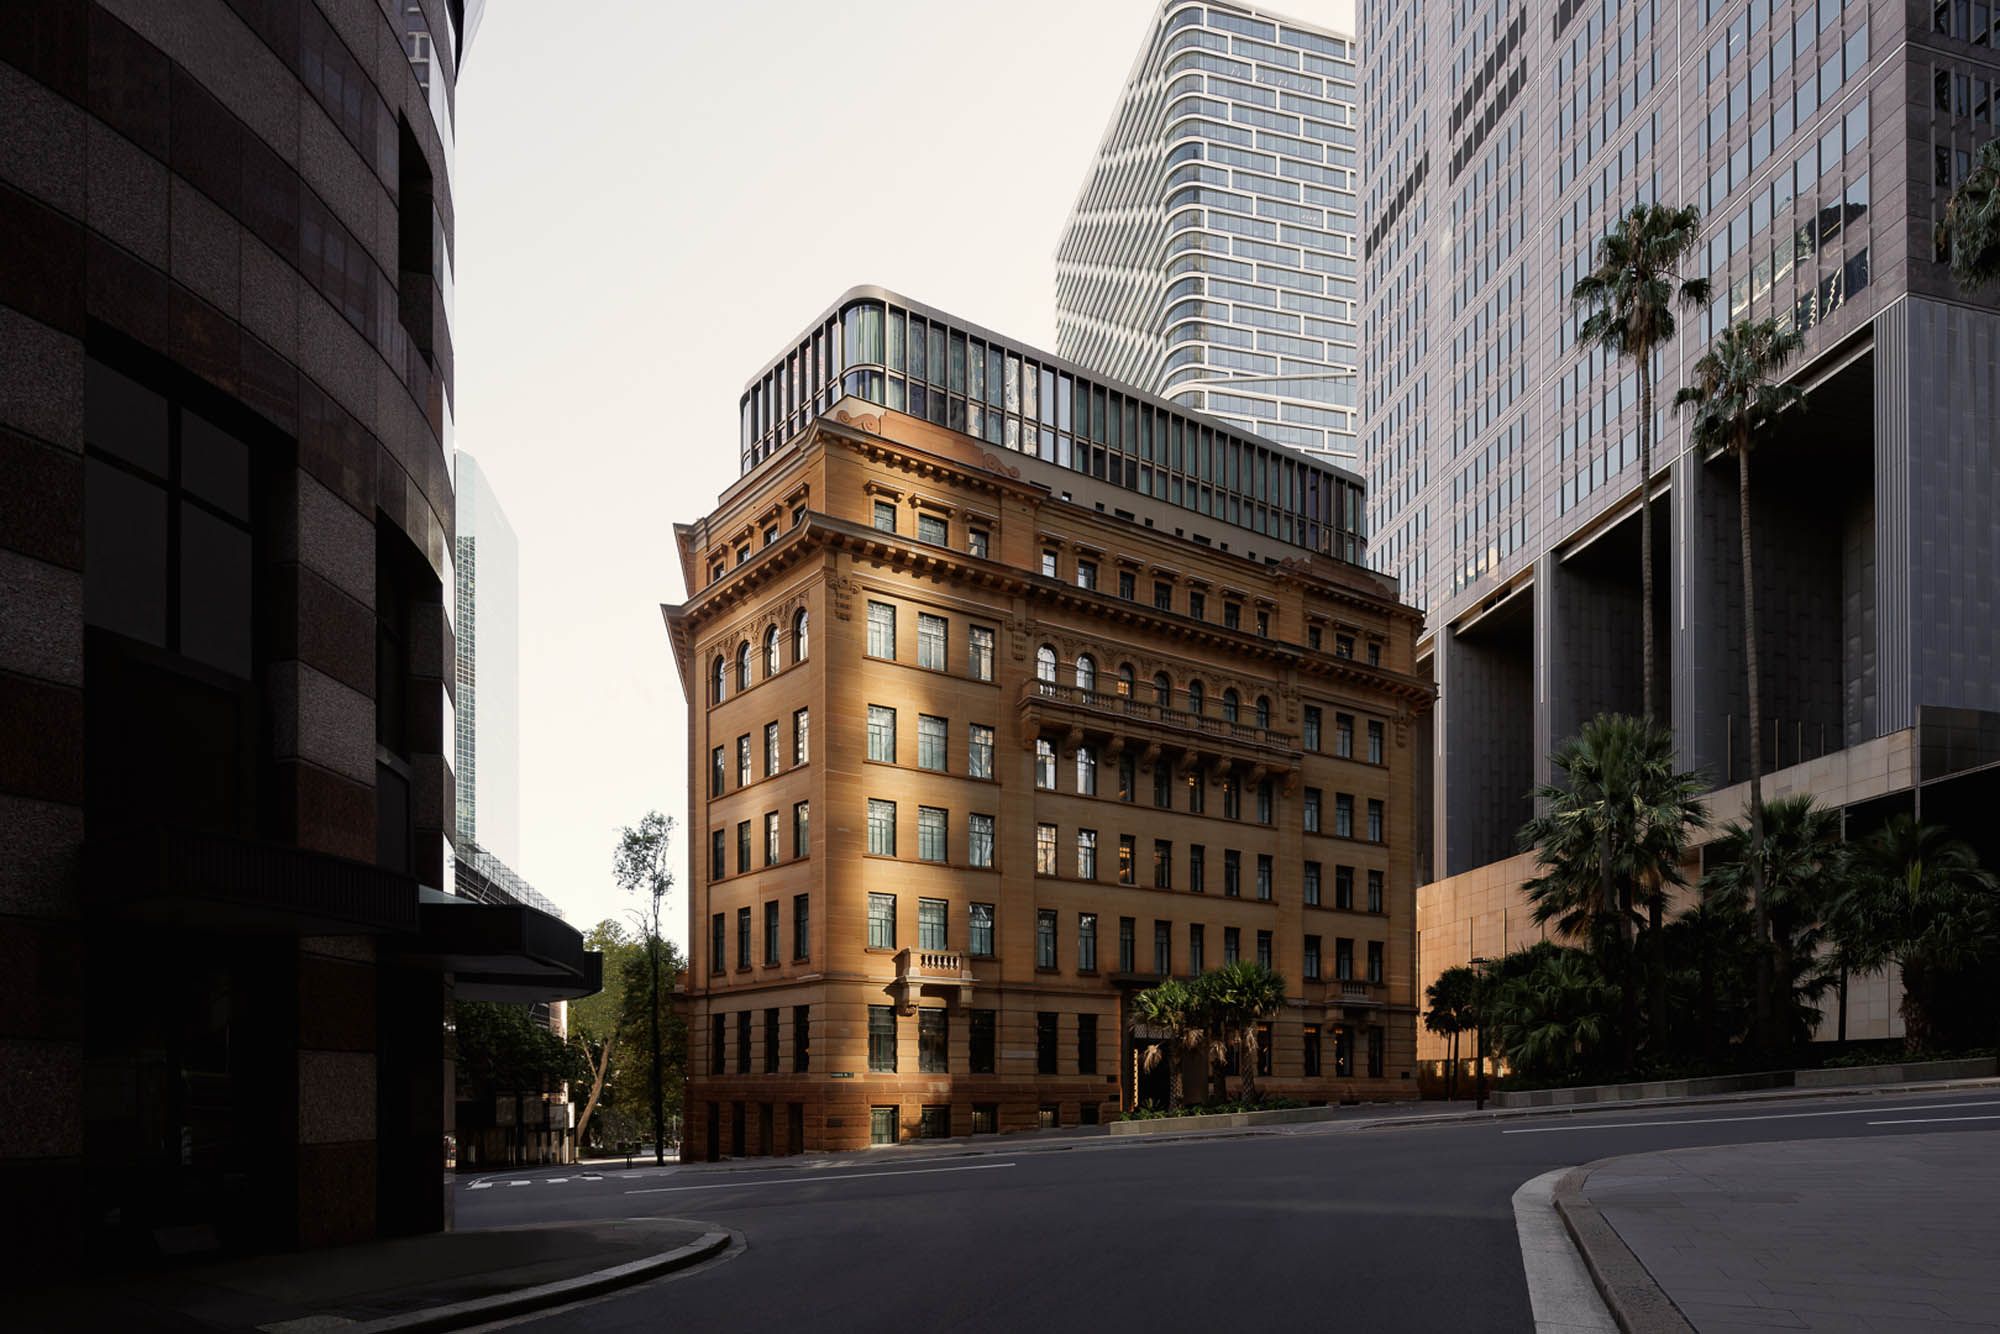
pixel 1393 1229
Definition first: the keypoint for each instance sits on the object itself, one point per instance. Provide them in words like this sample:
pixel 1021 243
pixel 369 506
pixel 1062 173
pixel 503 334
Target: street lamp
pixel 1479 1039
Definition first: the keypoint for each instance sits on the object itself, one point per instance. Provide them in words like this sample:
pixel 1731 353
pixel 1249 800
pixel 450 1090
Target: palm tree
pixel 1170 1008
pixel 1735 391
pixel 1552 1019
pixel 1614 833
pixel 1972 222
pixel 1918 898
pixel 1628 301
pixel 1805 868
pixel 1454 1001
pixel 1235 998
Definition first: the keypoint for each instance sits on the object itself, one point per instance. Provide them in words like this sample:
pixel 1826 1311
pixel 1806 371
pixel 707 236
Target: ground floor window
pixel 1087 1114
pixel 985 1118
pixel 1312 1051
pixel 1048 1116
pixel 935 1123
pixel 1377 1040
pixel 1343 1051
pixel 882 1125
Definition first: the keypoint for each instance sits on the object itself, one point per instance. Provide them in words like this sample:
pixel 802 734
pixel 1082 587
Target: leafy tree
pixel 639 865
pixel 1709 983
pixel 1972 222
pixel 1233 1000
pixel 502 1050
pixel 1453 1002
pixel 1553 1017
pixel 1613 834
pixel 1736 393
pixel 632 1073
pixel 1629 301
pixel 1173 1009
pixel 1805 866
pixel 597 1023
pixel 1919 899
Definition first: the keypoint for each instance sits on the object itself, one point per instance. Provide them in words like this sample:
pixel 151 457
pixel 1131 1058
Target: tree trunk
pixel 1249 1062
pixel 1451 1070
pixel 1645 360
pixel 1916 1015
pixel 1760 910
pixel 602 1064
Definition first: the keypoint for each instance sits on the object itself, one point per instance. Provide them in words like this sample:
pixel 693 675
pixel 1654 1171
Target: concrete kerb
pixel 479 1311
pixel 1638 1303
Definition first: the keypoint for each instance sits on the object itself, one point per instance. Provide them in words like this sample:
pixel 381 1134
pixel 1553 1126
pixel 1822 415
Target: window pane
pixel 125 533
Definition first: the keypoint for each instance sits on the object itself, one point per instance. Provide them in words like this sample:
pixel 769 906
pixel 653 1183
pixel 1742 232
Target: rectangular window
pixel 1312 810
pixel 1374 961
pixel 1045 1043
pixel 718 1044
pixel 1086 772
pixel 1086 574
pixel 1343 815
pixel 1232 799
pixel 978 751
pixel 882 733
pixel 1232 944
pixel 1128 873
pixel 881 630
pixel 742 846
pixel 1127 944
pixel 1312 727
pixel 933 633
pixel 743 760
pixel 1197 868
pixel 1343 887
pixel 1374 821
pixel 718 854
pixel 801 926
pixel 933 1042
pixel 1263 625
pixel 1343 646
pixel 1265 806
pixel 1312 959
pixel 1197 604
pixel 1264 949
pixel 1374 891
pixel 718 771
pixel 1163 595
pixel 1264 876
pixel 1163 864
pixel 1197 794
pixel 1045 766
pixel 979 930
pixel 1343 1051
pixel 1343 959
pixel 1232 873
pixel 771 844
pixel 1086 942
pixel 771 934
pixel 932 931
pixel 881 921
pixel 979 653
pixel 885 515
pixel 742 937
pixel 1127 585
pixel 1086 854
pixel 1163 948
pixel 979 840
pixel 1086 1044
pixel 1049 564
pixel 1312 1051
pixel 718 943
pixel 801 1039
pixel 1343 736
pixel 982 1043
pixel 1163 792
pixel 1374 742
pixel 743 1042
pixel 932 529
pixel 771 1039
pixel 1045 849
pixel 1128 778
pixel 1045 938
pixel 977 543
pixel 882 1039
pixel 801 736
pixel 770 749
pixel 801 828
pixel 881 827
pixel 1310 883
pixel 931 833
pixel 1197 948
pixel 1232 615
pixel 882 1125
pixel 932 734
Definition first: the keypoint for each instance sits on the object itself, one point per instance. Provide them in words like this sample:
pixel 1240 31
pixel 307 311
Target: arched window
pixel 1125 679
pixel 1194 697
pixel 770 651
pixel 1229 706
pixel 1163 689
pixel 799 635
pixel 1086 672
pixel 1045 663
pixel 743 666
pixel 1263 711
pixel 718 681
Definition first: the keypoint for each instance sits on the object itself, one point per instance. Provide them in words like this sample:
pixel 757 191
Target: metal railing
pixel 505 879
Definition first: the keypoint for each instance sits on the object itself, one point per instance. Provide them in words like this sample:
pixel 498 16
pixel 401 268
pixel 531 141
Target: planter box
pixel 1978 1067
pixel 1652 1088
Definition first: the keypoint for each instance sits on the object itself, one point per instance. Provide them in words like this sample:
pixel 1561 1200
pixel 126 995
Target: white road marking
pixel 1560 1291
pixel 556 1181
pixel 520 1183
pixel 1728 1120
pixel 1932 1120
pixel 593 1176
pixel 479 1185
pixel 813 1181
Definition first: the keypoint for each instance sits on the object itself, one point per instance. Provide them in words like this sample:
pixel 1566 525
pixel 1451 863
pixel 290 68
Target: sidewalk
pixel 440 1281
pixel 1879 1234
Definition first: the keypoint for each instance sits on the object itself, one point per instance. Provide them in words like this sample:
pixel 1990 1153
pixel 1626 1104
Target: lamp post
pixel 1479 1039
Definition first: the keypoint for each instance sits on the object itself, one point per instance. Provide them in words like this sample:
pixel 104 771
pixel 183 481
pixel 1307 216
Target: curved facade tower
pixel 1211 256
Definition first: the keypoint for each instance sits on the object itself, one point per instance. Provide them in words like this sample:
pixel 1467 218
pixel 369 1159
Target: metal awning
pixel 505 951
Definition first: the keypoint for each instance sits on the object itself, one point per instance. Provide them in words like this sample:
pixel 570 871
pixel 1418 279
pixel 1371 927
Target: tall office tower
pixel 488 626
pixel 986 740
pixel 1820 140
pixel 225 549
pixel 1212 254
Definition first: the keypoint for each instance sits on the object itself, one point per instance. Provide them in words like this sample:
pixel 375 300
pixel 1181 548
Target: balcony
pixel 1145 723
pixel 930 973
pixel 1345 998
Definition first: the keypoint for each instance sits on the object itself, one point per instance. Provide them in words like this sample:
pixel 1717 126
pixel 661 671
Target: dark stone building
pixel 228 947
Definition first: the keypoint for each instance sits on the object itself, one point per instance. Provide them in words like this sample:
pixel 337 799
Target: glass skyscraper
pixel 1211 257
pixel 487 624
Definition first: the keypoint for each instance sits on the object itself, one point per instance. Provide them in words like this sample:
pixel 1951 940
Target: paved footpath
pixel 1900 1232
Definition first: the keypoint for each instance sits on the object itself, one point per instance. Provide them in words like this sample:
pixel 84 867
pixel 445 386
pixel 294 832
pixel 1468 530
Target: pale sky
pixel 652 198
